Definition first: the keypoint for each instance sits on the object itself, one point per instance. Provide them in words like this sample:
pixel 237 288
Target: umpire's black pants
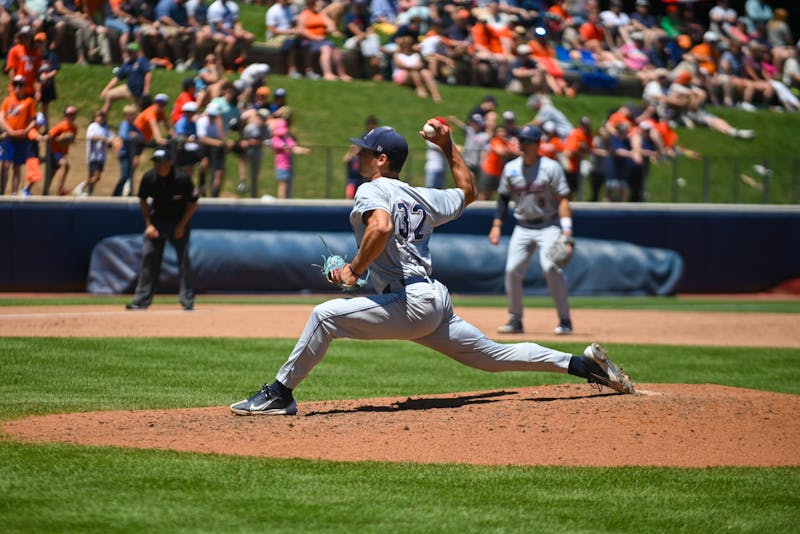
pixel 152 255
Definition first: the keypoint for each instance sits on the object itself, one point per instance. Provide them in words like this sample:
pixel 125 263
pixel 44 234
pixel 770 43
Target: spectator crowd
pixel 686 58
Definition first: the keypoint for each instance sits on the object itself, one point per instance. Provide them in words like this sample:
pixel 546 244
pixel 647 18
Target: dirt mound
pixel 664 425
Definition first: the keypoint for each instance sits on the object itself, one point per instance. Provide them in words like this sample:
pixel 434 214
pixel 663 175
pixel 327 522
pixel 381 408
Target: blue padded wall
pixel 46 244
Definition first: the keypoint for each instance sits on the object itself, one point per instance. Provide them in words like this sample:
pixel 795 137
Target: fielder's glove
pixel 331 262
pixel 560 253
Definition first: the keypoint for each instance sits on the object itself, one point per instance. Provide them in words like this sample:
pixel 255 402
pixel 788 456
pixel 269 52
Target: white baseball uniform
pixel 409 303
pixel 537 191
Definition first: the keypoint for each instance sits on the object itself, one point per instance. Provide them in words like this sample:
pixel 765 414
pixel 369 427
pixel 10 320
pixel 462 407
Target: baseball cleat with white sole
pixel 564 328
pixel 615 377
pixel 264 402
pixel 513 326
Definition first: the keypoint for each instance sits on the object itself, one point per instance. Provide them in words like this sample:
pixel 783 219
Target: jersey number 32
pixel 410 221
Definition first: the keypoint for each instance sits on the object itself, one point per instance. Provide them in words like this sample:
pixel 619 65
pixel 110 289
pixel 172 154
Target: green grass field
pixel 63 488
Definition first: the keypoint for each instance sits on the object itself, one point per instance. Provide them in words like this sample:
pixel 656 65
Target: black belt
pixel 410 281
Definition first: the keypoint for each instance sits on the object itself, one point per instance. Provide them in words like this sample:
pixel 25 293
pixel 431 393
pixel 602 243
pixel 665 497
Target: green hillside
pixel 327 113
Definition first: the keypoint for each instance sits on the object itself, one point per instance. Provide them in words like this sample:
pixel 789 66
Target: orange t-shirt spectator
pixel 577 144
pixel 147 121
pixel 706 55
pixel 187 95
pixel 592 31
pixel 65 126
pixel 618 117
pixel 497 154
pixel 544 54
pixel 484 37
pixel 668 135
pixel 18 113
pixel 61 136
pixel 24 59
pixel 551 147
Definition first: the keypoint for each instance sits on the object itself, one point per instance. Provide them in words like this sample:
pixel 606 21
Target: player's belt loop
pixel 396 287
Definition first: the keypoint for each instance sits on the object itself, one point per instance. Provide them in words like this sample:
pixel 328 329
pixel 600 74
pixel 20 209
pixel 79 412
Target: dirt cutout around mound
pixel 575 425
pixel 571 424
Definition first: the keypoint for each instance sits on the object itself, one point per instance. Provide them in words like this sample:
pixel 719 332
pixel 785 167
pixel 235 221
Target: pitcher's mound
pixel 663 425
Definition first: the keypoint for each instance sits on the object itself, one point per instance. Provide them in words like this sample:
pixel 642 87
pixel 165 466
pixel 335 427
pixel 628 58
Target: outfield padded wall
pixel 246 261
pixel 46 243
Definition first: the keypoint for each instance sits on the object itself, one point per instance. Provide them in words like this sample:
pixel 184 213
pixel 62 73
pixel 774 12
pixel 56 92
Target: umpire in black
pixel 174 201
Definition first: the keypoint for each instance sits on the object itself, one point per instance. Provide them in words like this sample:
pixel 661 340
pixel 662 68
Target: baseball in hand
pixel 429 131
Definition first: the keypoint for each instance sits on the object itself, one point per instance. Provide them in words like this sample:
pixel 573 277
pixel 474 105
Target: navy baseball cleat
pixel 564 328
pixel 265 402
pixel 612 376
pixel 513 326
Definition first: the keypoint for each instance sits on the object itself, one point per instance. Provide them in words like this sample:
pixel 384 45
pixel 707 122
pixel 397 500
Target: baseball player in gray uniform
pixel 393 223
pixel 542 212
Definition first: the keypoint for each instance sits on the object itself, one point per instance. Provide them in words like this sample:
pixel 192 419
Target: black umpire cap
pixel 160 155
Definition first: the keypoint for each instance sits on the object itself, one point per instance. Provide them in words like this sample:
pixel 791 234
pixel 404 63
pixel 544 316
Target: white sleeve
pixel 202 127
pixel 95 130
pixel 214 14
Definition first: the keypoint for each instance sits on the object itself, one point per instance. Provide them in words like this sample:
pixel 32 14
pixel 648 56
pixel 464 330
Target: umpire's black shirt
pixel 170 193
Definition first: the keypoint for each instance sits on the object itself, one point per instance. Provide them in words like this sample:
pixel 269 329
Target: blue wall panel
pixel 46 244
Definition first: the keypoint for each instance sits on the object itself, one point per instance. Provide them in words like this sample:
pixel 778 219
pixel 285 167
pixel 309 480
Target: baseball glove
pixel 560 253
pixel 331 262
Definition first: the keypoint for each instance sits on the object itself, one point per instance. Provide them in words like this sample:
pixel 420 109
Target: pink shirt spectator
pixel 282 144
pixel 635 59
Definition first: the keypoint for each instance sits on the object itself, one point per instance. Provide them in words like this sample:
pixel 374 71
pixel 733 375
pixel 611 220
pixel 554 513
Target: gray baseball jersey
pixel 410 303
pixel 537 191
pixel 416 211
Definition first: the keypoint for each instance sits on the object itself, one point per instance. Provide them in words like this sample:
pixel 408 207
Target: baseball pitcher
pixel 393 223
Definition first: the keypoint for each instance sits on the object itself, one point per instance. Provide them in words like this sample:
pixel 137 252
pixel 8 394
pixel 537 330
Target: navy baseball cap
pixel 530 133
pixel 385 140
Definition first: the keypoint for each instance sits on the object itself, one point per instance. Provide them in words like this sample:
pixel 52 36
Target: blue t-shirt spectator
pixel 186 127
pixel 133 72
pixel 617 166
pixel 177 12
pixel 383 10
pixel 130 136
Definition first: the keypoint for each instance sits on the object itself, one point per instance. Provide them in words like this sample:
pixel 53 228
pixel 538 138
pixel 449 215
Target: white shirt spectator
pixel 253 73
pixel 224 11
pixel 97 150
pixel 791 72
pixel 609 19
pixel 279 16
pixel 432 44
pixel 434 159
pixel 208 128
pixel 653 92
